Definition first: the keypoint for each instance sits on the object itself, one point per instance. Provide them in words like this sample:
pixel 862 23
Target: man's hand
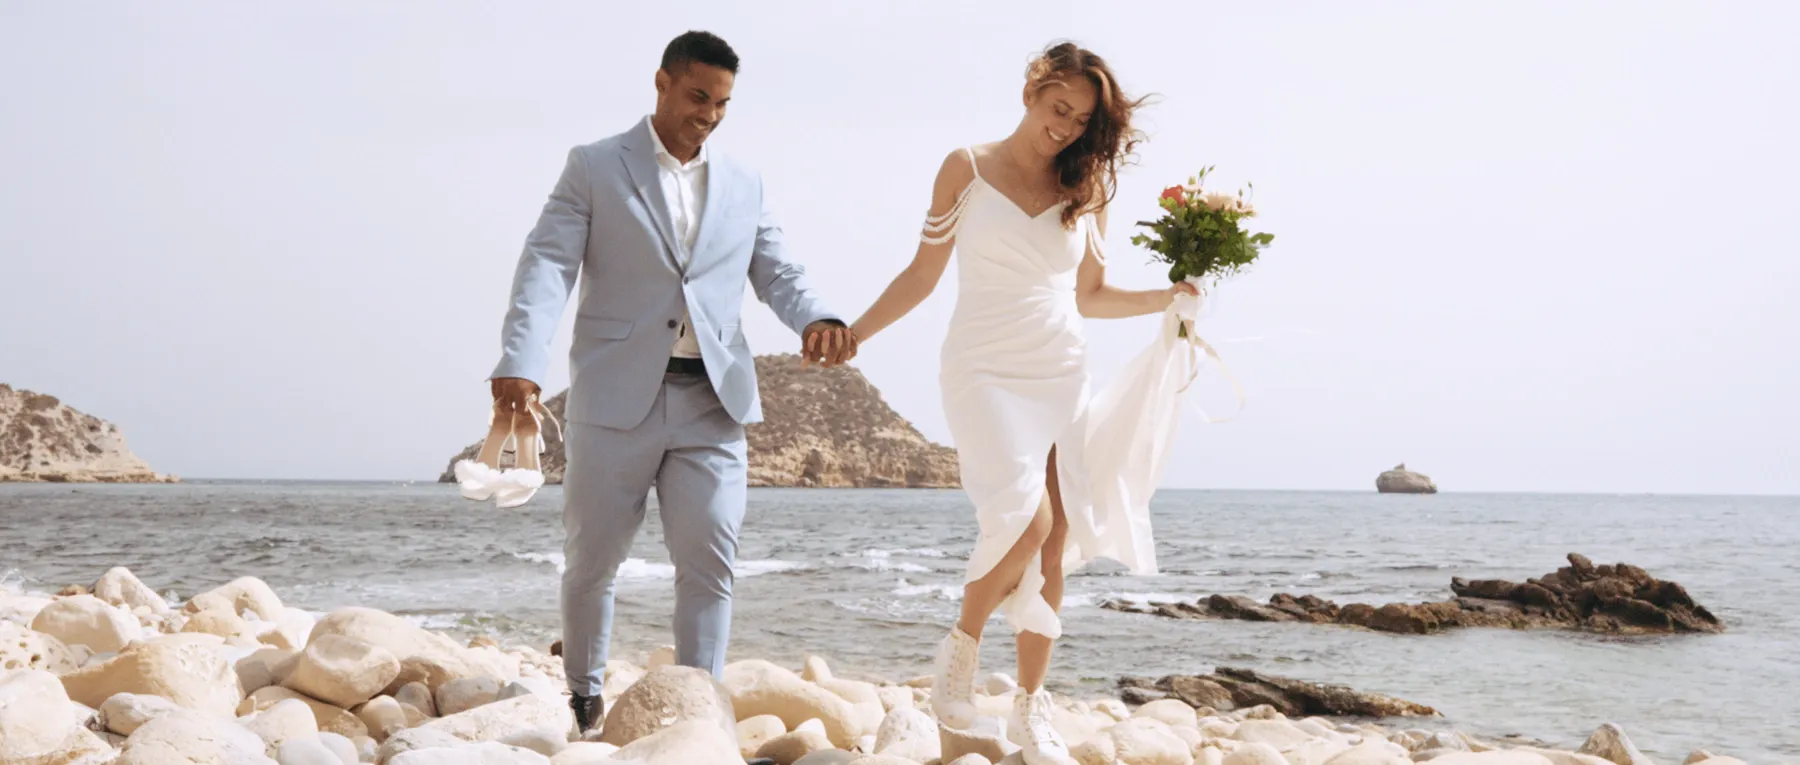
pixel 827 343
pixel 512 393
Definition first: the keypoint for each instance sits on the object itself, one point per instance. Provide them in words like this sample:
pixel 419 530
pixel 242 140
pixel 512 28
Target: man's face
pixel 690 103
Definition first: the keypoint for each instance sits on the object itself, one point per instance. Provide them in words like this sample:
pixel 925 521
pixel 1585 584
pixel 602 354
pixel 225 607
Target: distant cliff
pixel 43 439
pixel 825 428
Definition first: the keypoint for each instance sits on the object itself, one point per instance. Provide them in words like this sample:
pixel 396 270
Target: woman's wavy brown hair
pixel 1088 169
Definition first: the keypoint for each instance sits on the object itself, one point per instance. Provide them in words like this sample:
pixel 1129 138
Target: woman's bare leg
pixel 1034 649
pixel 983 596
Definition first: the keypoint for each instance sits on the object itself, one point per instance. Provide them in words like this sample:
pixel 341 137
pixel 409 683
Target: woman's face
pixel 1057 112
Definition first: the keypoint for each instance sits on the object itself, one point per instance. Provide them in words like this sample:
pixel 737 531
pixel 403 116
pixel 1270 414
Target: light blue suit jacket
pixel 606 225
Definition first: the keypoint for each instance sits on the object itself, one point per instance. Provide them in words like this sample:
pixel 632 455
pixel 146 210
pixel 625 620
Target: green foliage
pixel 1198 239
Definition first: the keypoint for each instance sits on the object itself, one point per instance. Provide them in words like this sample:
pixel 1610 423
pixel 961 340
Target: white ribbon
pixel 1181 316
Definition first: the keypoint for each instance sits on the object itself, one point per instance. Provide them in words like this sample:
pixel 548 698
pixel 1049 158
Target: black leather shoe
pixel 590 712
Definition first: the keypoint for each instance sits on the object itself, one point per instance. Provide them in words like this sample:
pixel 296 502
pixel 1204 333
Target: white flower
pixel 1215 200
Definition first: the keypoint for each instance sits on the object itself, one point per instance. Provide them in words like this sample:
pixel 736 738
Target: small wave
pixel 916 552
pixel 1135 598
pixel 639 569
pixel 940 591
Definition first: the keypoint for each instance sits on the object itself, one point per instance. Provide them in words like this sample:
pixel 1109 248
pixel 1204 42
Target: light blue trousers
pixel 693 452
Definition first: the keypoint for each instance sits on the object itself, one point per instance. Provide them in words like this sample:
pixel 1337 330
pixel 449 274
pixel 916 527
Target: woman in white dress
pixel 1027 216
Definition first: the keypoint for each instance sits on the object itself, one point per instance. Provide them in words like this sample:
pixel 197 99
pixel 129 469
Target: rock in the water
pixel 342 671
pixel 186 671
pixel 119 587
pixel 669 695
pixel 43 439
pixel 22 648
pixel 758 687
pixel 90 621
pixel 821 428
pixel 1403 481
pixel 1248 688
pixel 1619 599
pixel 188 737
pixel 1609 742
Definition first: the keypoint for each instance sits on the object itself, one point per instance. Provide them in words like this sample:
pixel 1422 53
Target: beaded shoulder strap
pixel 942 228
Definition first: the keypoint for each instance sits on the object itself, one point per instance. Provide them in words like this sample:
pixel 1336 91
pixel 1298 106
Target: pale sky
pixel 1520 246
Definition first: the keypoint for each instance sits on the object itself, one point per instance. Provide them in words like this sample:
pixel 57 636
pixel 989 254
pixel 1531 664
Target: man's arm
pixel 783 285
pixel 545 278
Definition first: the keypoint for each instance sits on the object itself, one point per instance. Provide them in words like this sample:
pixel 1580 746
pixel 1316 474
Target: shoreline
pixel 246 654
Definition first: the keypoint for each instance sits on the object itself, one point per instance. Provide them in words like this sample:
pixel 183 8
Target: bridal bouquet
pixel 1201 234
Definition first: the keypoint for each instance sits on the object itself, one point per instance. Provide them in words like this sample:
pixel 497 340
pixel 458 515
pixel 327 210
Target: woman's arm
pixel 920 277
pixel 1096 299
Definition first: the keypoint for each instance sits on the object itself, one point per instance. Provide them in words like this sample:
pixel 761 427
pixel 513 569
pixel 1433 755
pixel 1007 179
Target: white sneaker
pixel 1030 728
pixel 953 687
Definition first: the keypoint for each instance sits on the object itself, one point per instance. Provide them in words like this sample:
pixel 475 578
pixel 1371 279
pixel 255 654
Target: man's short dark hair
pixel 698 48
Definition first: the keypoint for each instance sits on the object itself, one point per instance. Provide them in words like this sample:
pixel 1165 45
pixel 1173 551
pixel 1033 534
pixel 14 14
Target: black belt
pixel 681 366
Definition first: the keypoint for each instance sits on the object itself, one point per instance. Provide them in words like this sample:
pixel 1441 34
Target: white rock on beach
pixel 1498 757
pixel 753 732
pixel 669 695
pixel 424 656
pixel 415 739
pixel 466 693
pixel 485 753
pixel 120 587
pixel 585 753
pixel 182 669
pixel 23 648
pixel 693 741
pixel 218 622
pixel 1372 751
pixel 344 748
pixel 504 718
pixel 247 593
pixel 866 708
pixel 286 721
pixel 1148 741
pixel 417 696
pixel 90 621
pixel 1171 711
pixel 1557 757
pixel 328 718
pixel 1255 753
pixel 124 713
pixel 908 733
pixel 342 671
pixel 307 751
pixel 986 737
pixel 265 667
pixel 759 687
pixel 384 716
pixel 790 747
pixel 36 716
pixel 188 737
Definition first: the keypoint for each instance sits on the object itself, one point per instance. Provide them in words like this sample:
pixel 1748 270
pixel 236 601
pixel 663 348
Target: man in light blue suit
pixel 662 234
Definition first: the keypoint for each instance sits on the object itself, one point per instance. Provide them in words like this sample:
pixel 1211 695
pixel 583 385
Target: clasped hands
pixel 827 343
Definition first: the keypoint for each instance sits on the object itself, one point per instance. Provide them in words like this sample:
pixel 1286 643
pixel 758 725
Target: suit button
pixel 672 323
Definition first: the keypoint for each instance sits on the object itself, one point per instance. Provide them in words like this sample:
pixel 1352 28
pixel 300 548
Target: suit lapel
pixel 640 165
pixel 720 184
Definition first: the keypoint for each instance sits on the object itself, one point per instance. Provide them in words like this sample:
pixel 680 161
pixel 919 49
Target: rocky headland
pixel 43 439
pixel 1613 599
pixel 821 428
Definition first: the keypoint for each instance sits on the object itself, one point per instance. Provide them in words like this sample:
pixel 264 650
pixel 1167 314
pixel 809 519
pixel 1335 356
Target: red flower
pixel 1176 193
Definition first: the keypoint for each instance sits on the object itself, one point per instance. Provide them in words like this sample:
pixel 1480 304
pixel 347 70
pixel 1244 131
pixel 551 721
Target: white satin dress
pixel 1015 383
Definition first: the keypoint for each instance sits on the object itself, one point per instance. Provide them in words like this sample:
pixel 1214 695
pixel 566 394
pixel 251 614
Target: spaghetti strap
pixel 940 229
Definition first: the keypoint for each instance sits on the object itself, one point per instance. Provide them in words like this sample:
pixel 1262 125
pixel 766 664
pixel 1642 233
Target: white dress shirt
pixel 684 189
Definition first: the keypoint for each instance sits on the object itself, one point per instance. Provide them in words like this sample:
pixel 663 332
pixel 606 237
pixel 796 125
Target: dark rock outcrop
pixel 1230 688
pixel 826 428
pixel 43 439
pixel 1614 599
